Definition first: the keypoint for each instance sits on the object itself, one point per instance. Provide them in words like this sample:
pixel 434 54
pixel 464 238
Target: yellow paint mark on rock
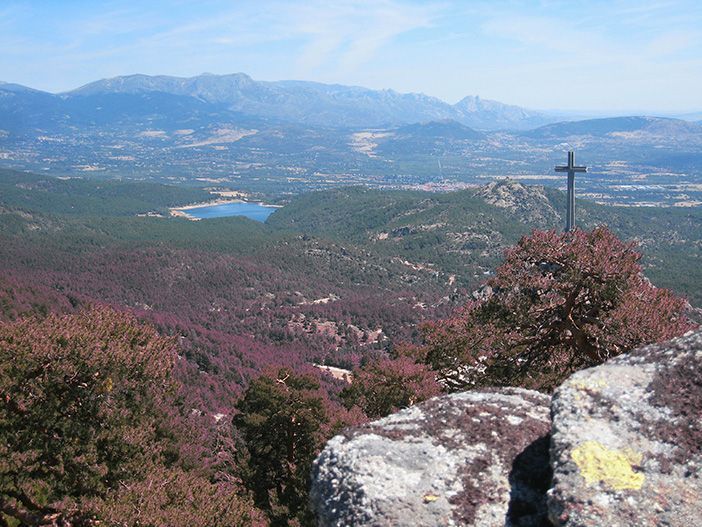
pixel 428 498
pixel 613 467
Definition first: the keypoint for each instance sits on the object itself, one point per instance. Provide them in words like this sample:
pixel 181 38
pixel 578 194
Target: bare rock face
pixel 625 450
pixel 529 202
pixel 473 458
pixel 627 440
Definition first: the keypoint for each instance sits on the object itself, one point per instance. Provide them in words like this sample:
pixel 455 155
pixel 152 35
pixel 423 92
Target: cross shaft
pixel 571 168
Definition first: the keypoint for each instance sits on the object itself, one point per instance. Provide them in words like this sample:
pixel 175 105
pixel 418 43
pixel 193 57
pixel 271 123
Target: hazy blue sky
pixel 589 55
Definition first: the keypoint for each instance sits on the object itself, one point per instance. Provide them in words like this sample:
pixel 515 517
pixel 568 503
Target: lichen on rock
pixel 473 458
pixel 627 440
pixel 614 468
pixel 623 448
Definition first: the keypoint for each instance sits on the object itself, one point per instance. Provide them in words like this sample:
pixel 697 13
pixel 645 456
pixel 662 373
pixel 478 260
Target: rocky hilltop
pixel 620 446
pixel 530 204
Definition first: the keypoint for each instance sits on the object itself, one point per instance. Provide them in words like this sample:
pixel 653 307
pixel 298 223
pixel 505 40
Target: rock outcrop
pixel 473 458
pixel 627 440
pixel 625 450
pixel 529 202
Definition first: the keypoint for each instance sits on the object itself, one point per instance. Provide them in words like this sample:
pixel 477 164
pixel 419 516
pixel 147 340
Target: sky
pixel 590 56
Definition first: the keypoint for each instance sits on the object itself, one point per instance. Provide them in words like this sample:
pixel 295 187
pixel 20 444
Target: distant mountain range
pixel 285 137
pixel 485 114
pixel 439 138
pixel 309 103
pixel 171 102
pixel 622 126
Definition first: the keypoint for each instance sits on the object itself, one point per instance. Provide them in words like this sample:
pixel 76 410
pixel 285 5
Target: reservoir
pixel 254 211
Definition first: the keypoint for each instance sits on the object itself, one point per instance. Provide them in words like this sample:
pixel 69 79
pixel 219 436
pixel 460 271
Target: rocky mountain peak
pixel 529 203
pixel 485 112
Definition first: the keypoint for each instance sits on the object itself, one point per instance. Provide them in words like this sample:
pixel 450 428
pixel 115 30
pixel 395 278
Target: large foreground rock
pixel 627 440
pixel 474 458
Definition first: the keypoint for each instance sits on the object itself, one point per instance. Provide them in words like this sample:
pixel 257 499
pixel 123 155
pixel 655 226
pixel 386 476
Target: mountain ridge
pixel 611 125
pixel 257 136
pixel 323 104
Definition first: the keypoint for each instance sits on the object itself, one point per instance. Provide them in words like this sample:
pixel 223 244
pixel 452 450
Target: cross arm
pixel 565 168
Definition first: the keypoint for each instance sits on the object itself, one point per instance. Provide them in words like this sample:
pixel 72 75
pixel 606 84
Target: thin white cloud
pixel 549 34
pixel 541 54
pixel 593 42
pixel 351 33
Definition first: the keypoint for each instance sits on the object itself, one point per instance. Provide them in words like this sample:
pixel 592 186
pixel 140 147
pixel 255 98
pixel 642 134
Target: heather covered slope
pixel 345 278
pixel 236 313
pixel 331 277
pixel 241 294
pixel 94 431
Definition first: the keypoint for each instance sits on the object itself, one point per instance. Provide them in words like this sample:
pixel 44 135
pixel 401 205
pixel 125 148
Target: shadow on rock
pixel 530 479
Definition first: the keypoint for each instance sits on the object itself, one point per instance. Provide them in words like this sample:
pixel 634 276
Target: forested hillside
pixel 342 278
pixel 465 232
pixel 50 195
pixel 332 276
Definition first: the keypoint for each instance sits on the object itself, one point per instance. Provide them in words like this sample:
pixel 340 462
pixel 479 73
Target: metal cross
pixel 571 169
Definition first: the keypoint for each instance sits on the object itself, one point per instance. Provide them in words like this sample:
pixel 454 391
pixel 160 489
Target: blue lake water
pixel 254 211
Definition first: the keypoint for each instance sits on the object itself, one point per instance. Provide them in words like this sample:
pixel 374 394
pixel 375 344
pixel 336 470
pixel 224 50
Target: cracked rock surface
pixel 627 440
pixel 625 450
pixel 474 458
